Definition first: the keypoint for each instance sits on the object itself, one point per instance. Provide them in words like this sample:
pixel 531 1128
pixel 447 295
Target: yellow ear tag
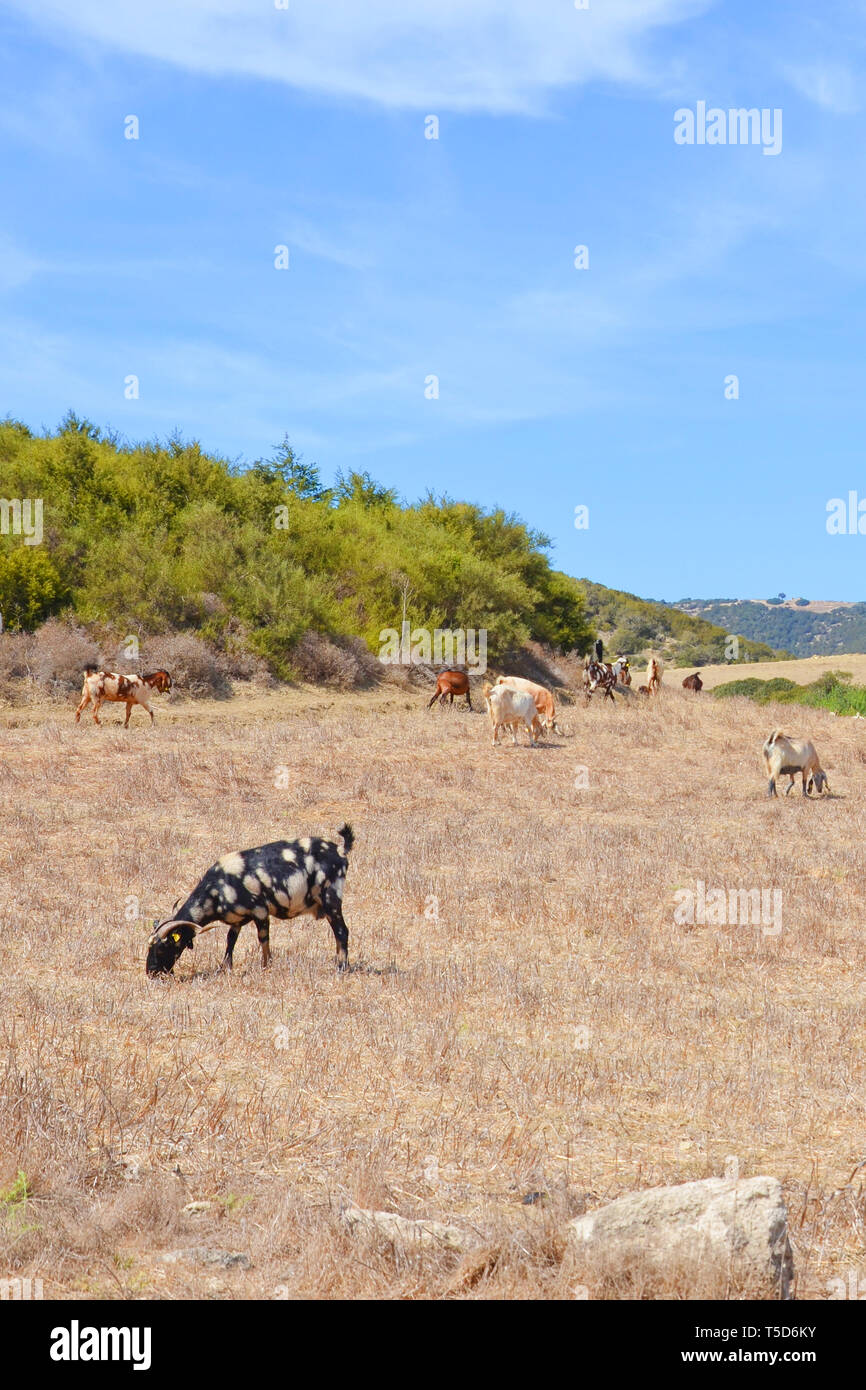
pixel 175 936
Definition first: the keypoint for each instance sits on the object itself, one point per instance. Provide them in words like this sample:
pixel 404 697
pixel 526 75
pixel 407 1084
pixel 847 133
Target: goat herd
pixel 288 879
pixel 514 702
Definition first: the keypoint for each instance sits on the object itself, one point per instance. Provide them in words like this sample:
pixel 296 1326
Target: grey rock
pixel 739 1224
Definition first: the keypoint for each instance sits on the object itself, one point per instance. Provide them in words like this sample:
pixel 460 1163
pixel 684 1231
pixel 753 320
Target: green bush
pixel 830 691
pixel 30 586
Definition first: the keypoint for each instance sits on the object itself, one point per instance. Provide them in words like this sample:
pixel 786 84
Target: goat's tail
pixel 776 733
pixel 347 835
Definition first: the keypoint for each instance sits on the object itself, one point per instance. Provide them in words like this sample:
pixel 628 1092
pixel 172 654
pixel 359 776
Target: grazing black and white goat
pixel 287 878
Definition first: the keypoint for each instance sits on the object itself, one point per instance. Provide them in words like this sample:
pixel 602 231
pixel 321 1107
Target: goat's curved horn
pixel 162 931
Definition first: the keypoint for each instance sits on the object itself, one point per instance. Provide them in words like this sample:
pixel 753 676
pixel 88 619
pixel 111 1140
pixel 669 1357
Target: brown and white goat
pixel 544 701
pixel 604 676
pixel 100 686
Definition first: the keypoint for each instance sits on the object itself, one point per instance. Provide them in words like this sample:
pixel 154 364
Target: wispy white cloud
pixel 831 85
pixel 17 265
pixel 458 55
pixel 537 351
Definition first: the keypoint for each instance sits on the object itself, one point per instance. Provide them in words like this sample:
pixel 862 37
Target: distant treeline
pixel 831 691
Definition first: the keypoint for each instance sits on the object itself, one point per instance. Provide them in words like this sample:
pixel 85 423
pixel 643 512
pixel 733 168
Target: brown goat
pixel 451 683
pixel 654 671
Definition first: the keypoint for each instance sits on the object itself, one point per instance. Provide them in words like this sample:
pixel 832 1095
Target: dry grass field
pixel 523 1013
pixel 802 670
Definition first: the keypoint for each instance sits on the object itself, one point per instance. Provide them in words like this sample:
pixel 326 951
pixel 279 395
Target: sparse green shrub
pixel 346 662
pixel 59 654
pixel 195 668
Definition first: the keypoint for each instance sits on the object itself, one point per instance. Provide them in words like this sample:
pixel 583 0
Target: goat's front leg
pixel 263 929
pixel 332 910
pixel 96 705
pixel 84 703
pixel 231 937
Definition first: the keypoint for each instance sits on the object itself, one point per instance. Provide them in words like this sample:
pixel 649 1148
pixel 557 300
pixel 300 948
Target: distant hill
pixel 633 625
pixel 805 628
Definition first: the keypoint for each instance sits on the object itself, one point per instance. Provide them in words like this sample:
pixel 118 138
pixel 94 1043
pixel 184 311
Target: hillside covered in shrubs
pixel 263 562
pixel 223 572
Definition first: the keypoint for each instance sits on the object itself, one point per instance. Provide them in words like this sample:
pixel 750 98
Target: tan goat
pixel 786 757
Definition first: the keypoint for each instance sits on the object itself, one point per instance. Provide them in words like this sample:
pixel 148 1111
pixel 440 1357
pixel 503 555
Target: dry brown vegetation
pixel 554 1032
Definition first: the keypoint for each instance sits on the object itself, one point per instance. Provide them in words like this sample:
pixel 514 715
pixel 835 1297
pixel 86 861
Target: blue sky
pixel 454 257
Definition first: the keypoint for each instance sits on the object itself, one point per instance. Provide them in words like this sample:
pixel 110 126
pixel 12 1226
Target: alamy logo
pixel 855 1290
pixel 738 126
pixel 445 646
pixel 719 907
pixel 77 1343
pixel 23 517
pixel 846 519
pixel 15 1290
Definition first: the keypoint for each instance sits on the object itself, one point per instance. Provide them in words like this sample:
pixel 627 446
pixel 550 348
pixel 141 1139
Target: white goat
pixel 508 708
